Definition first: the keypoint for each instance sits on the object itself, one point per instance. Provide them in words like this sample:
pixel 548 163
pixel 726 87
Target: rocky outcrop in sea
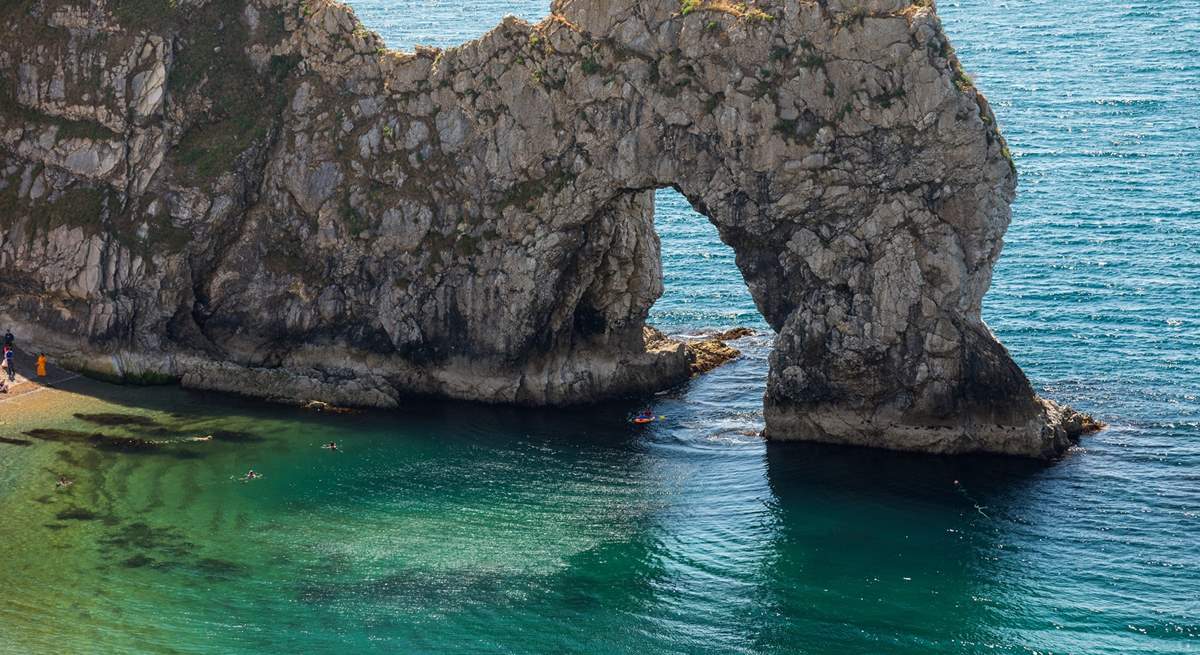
pixel 257 196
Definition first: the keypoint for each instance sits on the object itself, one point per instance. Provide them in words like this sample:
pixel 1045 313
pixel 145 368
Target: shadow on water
pixel 867 543
pixel 181 408
pixel 797 470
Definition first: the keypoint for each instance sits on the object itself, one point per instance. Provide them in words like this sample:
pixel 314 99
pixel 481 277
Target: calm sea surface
pixel 461 529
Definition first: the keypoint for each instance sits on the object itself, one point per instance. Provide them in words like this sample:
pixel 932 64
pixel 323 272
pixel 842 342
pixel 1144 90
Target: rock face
pixel 256 196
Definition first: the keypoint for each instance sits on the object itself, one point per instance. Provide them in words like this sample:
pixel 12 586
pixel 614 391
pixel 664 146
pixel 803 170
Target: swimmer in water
pixel 332 445
pixel 64 481
pixel 251 475
pixel 207 437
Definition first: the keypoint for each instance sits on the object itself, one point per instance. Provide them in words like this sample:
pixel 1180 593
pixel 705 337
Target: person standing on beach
pixel 41 365
pixel 8 362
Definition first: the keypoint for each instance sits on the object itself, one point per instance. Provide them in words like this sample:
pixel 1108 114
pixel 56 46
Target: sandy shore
pixel 31 399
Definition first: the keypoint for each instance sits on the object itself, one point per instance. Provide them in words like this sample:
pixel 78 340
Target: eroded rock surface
pixel 256 196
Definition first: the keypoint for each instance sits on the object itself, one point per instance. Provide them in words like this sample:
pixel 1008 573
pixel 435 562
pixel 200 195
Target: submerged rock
pixel 62 436
pixel 100 441
pixel 117 420
pixel 77 514
pixel 127 445
pixel 256 196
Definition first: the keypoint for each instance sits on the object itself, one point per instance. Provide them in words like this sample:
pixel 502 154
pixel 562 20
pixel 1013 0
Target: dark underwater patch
pixel 113 419
pixel 137 562
pixel 15 442
pixel 68 459
pixel 236 436
pixel 127 445
pixel 143 537
pixel 61 436
pixel 157 431
pixel 186 454
pixel 219 569
pixel 98 440
pixel 76 514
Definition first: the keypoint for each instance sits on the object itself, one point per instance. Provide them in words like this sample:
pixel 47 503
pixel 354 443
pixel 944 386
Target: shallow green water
pixel 458 528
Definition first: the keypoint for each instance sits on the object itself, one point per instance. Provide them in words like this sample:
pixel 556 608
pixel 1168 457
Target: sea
pixel 460 528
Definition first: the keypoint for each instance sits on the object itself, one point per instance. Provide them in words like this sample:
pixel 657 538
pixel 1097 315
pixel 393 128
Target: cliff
pixel 257 196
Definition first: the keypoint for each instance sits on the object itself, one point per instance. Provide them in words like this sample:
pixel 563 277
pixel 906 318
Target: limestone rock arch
pixel 477 222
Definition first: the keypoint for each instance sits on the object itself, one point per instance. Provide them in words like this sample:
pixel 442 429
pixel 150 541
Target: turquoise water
pixel 464 529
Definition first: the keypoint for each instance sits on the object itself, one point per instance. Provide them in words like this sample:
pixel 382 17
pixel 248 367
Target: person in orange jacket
pixel 41 365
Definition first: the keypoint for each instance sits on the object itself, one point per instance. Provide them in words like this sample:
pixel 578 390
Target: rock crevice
pixel 257 196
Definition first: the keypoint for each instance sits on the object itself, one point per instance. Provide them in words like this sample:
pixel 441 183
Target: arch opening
pixel 703 289
pixel 405 24
pixel 704 298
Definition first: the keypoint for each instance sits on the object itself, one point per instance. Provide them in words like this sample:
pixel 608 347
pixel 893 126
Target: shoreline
pixel 27 392
pixel 349 378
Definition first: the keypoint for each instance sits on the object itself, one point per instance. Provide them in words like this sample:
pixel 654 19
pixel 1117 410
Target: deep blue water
pixel 458 528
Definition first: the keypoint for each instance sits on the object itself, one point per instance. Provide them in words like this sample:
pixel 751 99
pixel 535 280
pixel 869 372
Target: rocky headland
pixel 257 196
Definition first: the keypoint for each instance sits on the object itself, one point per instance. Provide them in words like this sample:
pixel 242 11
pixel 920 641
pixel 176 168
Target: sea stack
pixel 257 196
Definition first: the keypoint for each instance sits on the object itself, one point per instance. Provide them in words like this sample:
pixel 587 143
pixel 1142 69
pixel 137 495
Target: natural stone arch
pixel 477 222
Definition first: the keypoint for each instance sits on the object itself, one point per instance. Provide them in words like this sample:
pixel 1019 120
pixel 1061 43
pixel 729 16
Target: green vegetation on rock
pixel 144 13
pixel 244 103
